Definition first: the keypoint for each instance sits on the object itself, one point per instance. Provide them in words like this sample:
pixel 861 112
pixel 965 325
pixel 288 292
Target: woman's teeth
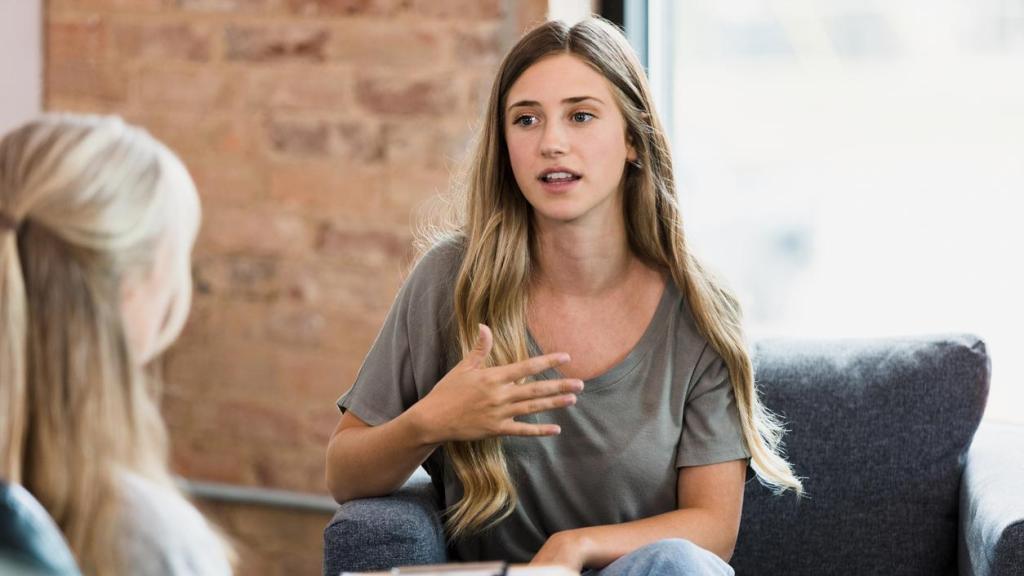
pixel 559 177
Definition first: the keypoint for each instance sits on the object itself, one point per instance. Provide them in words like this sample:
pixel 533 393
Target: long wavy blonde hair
pixel 493 217
pixel 86 201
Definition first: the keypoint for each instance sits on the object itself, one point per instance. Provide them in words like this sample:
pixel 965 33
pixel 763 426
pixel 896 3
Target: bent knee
pixel 672 548
pixel 681 553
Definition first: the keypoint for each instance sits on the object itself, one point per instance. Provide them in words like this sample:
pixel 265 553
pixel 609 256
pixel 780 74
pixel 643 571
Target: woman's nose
pixel 554 141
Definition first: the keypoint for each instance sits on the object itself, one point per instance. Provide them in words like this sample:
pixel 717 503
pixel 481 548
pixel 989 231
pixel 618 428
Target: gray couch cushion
pixel 403 529
pixel 992 503
pixel 879 428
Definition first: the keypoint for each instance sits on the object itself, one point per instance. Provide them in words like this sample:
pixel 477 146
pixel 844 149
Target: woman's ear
pixel 631 154
pixel 132 313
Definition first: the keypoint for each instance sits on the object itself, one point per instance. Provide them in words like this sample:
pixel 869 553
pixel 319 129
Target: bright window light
pixel 856 168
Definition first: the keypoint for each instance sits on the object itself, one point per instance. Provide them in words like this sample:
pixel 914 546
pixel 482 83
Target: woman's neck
pixel 582 260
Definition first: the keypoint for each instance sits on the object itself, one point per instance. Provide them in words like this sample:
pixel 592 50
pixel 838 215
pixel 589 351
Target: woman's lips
pixel 559 186
pixel 558 180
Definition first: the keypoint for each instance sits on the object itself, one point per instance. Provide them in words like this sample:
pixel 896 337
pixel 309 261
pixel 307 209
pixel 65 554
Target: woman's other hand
pixel 564 549
pixel 473 401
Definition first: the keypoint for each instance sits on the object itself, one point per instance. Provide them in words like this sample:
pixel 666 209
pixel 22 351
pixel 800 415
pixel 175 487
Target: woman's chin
pixel 563 216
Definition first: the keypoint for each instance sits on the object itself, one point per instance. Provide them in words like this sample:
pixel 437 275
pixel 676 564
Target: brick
pixel 323 420
pixel 481 44
pixel 323 375
pixel 458 9
pixel 297 550
pixel 320 283
pixel 161 42
pixel 298 326
pixel 53 6
pixel 196 88
pixel 279 528
pixel 82 39
pixel 331 190
pixel 250 349
pixel 433 147
pixel 197 133
pixel 410 193
pixel 354 142
pixel 311 340
pixel 263 424
pixel 527 15
pixel 97 82
pixel 405 95
pixel 298 137
pixel 342 7
pixel 302 87
pixel 363 248
pixel 82 104
pixel 230 6
pixel 256 230
pixel 227 180
pixel 226 367
pixel 364 292
pixel 357 142
pixel 193 458
pixel 299 467
pixel 242 277
pixel 289 42
pixel 478 91
pixel 385 43
pixel 200 327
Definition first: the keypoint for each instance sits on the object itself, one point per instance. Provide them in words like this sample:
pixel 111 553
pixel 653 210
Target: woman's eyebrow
pixel 571 100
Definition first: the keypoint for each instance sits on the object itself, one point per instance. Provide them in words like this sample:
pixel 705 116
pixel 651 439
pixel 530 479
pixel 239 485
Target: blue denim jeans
pixel 670 557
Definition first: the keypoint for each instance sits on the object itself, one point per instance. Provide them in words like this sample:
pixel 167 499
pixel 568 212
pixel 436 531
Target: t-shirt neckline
pixel 654 330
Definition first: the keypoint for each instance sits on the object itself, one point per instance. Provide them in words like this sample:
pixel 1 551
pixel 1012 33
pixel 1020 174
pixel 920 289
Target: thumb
pixel 482 348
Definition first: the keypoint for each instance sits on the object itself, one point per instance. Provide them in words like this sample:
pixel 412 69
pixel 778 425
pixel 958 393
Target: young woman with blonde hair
pixel 625 448
pixel 97 222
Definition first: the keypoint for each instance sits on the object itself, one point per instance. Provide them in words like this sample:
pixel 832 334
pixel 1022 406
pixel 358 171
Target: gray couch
pixel 882 431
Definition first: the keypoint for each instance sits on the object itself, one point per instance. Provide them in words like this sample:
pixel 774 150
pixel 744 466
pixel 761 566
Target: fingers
pixel 523 429
pixel 481 349
pixel 541 404
pixel 544 388
pixel 529 367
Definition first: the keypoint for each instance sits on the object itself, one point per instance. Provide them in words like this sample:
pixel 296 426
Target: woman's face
pixel 155 302
pixel 147 301
pixel 566 140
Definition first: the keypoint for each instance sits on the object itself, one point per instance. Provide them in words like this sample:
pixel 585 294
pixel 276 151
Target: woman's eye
pixel 582 116
pixel 525 120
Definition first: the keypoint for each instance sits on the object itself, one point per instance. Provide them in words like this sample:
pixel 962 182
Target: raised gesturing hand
pixel 473 402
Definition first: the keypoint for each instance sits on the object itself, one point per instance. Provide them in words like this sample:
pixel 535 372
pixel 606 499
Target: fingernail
pixel 578 385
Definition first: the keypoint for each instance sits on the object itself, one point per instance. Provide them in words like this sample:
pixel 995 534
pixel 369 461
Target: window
pixel 21 60
pixel 854 168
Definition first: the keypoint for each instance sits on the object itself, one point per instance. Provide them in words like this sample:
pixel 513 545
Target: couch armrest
pixel 992 503
pixel 378 533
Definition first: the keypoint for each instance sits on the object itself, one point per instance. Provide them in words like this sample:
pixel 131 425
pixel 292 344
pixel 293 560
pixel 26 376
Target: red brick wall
pixel 314 129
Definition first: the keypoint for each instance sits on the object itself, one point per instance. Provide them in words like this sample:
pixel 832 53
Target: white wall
pixel 21 61
pixel 568 11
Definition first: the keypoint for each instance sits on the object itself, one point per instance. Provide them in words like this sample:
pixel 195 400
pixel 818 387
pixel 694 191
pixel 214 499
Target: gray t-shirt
pixel 668 404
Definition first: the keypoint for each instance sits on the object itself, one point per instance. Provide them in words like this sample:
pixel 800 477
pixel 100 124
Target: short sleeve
pixel 410 353
pixel 712 432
